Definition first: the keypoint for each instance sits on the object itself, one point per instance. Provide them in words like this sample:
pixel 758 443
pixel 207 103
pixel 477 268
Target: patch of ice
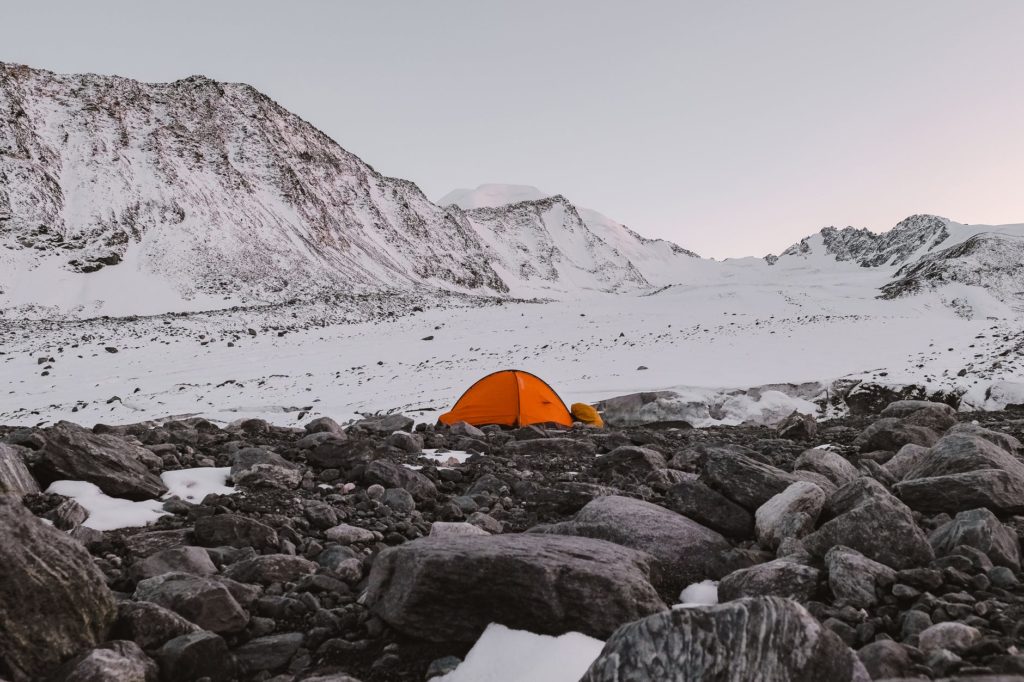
pixel 414 467
pixel 192 485
pixel 106 512
pixel 704 593
pixel 505 655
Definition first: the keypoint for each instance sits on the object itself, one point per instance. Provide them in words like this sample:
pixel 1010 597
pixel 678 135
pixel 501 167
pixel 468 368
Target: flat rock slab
pixel 764 638
pixel 686 552
pixel 451 588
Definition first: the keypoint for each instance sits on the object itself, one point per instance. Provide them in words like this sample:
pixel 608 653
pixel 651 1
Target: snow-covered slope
pixel 540 242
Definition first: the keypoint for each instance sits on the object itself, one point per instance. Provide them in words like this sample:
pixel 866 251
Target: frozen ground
pixel 748 325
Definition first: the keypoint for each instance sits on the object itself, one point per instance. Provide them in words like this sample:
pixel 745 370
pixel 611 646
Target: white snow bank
pixel 704 593
pixel 192 485
pixel 505 655
pixel 105 512
pixel 771 407
pixel 442 457
pixel 995 396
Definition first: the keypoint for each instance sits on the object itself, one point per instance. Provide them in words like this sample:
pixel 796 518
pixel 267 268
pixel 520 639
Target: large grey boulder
pixel 119 660
pixel 978 528
pixel 630 461
pixel 749 639
pixel 829 464
pixel 195 656
pixel 271 568
pixel 385 425
pixel 686 552
pixel 194 560
pixel 936 416
pixel 149 625
pixel 854 578
pixel 874 523
pixel 259 468
pixel 964 471
pixel 235 531
pixel 54 602
pixel 113 464
pixel 15 478
pixel 905 459
pixel 998 438
pixel 202 600
pixel 394 475
pixel 693 499
pixel 743 479
pixel 451 588
pixel 891 434
pixel 790 514
pixel 777 578
pixel 268 653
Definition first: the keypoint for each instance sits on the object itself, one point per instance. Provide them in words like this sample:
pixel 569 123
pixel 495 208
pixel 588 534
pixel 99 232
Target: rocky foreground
pixel 866 548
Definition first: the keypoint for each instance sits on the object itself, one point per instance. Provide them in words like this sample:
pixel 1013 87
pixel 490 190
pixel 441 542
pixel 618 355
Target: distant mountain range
pixel 119 197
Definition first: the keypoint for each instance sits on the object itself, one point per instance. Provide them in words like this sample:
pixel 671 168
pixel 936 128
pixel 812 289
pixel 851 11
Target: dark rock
pixel 686 551
pixel 854 579
pixel 270 568
pixel 935 416
pixel 235 531
pixel 905 459
pixel 118 660
pixel 630 461
pixel 341 454
pixel 194 560
pixel 978 528
pixel 885 659
pixel 202 600
pixel 324 425
pixel 798 426
pixel 790 514
pixel 149 625
pixel 467 430
pixel 196 656
pixel 15 478
pixel 742 479
pixel 693 499
pixel 550 447
pixel 54 602
pixel 548 584
pixel 268 653
pixel 749 639
pixel 383 426
pixel 146 543
pixel 778 578
pixel 1002 440
pixel 113 464
pixel 892 434
pixel 832 466
pixel 394 475
pixel 259 468
pixel 875 524
pixel 406 442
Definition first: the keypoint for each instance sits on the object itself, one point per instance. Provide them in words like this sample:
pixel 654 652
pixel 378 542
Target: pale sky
pixel 733 128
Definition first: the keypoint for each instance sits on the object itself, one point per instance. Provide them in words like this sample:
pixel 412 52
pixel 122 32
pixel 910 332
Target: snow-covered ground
pixel 744 324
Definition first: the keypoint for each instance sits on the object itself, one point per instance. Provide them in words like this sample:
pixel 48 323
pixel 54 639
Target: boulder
pixel 1002 440
pixel 345 534
pixel 854 578
pixel 454 528
pixel 345 455
pixel 268 653
pixel 383 426
pixel 742 479
pixel 686 552
pixel 113 464
pixel 199 655
pixel 149 625
pixel 875 524
pixel 467 430
pixel 790 514
pixel 118 660
pixel 15 478
pixel 777 578
pixel 935 416
pixel 451 588
pixel 829 464
pixel 693 499
pixel 270 568
pixel 54 602
pixel 324 425
pixel 234 531
pixel 549 447
pixel 202 600
pixel 406 442
pixel 750 639
pixel 394 475
pixel 885 659
pixel 891 434
pixel 905 459
pixel 978 528
pixel 630 461
pixel 194 560
pixel 259 468
pixel 797 427
pixel 952 636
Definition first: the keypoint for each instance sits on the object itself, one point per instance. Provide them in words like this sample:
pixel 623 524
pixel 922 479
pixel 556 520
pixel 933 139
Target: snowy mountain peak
pixel 491 195
pixel 908 239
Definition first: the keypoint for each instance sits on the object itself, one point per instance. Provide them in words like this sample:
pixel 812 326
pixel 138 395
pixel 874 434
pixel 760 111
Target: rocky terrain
pixel 874 546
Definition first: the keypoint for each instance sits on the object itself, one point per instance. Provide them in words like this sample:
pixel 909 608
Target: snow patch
pixel 704 593
pixel 106 512
pixel 505 655
pixel 192 485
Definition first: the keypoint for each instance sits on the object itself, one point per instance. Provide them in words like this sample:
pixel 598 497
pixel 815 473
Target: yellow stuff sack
pixel 582 412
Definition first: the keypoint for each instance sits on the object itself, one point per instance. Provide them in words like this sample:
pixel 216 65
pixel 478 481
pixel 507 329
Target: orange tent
pixel 510 397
